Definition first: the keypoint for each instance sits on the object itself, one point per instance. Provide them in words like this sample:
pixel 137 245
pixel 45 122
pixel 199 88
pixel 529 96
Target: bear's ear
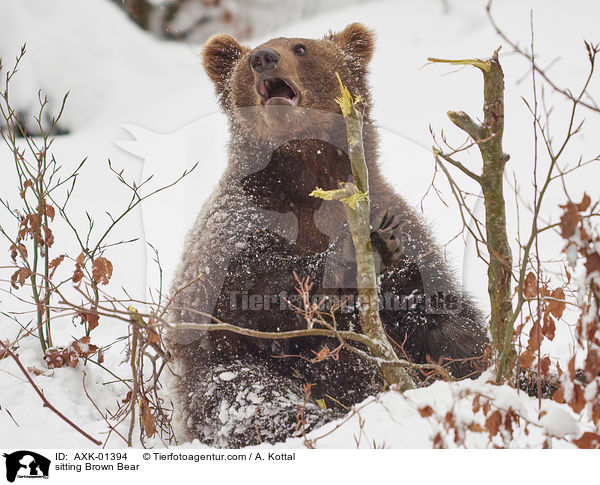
pixel 357 40
pixel 219 57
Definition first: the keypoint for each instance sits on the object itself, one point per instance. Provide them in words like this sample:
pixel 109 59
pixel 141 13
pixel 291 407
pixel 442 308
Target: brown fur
pixel 260 227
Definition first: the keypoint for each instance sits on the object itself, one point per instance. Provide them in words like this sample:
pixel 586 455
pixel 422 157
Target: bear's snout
pixel 264 60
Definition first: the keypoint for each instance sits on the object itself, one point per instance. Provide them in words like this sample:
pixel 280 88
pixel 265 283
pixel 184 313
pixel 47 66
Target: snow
pixel 558 422
pixel 227 376
pixel 146 105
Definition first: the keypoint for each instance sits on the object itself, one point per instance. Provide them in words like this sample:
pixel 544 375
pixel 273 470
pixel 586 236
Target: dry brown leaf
pixel 77 275
pixel 48 210
pixel 59 357
pixel 54 358
pixel 18 279
pixel 519 329
pixel 588 440
pixel 596 412
pixel 30 224
pixel 557 307
pixel 493 422
pixel 568 274
pixel 449 419
pixel 54 264
pixel 147 419
pixel 323 354
pixel 48 236
pixel 571 367
pixel 36 371
pixel 26 185
pixel 102 271
pixel 559 395
pixel 18 249
pixel 152 336
pixel 426 411
pixel 526 359
pixel 592 364
pixel 80 259
pixel 584 204
pixel 486 408
pixel 533 342
pixel 549 327
pixel 83 347
pixel 578 401
pixel 545 365
pixel 530 286
pixel 592 263
pixel 91 318
pixel 569 220
pixel 475 427
pixel 509 418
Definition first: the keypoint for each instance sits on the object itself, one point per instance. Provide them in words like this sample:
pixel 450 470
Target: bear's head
pixel 286 84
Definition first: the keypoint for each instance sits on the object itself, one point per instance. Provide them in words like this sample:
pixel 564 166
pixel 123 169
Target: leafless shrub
pixel 41 266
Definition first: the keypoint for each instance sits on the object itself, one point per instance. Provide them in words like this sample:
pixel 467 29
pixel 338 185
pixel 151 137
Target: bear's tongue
pixel 277 91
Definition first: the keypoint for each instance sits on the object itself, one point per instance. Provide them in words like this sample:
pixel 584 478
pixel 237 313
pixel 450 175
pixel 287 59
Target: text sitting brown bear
pixel 260 226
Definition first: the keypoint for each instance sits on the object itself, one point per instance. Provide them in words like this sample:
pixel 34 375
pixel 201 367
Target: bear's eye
pixel 299 50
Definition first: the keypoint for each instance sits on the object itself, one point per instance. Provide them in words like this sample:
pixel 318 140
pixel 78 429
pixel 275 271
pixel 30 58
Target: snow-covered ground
pixel 148 107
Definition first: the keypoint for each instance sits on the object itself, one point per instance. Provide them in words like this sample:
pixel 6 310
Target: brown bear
pixel 260 229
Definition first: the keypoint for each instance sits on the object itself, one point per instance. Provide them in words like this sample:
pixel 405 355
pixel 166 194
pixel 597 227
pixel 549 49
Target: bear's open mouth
pixel 277 91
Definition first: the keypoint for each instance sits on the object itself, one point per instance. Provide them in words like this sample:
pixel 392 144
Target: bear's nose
pixel 264 60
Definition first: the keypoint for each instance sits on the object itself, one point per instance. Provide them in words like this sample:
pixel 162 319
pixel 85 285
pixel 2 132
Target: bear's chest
pixel 284 185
